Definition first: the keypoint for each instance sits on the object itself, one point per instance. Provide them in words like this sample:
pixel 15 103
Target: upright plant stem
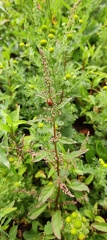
pixel 55 147
pixel 57 197
pixel 49 10
pixel 57 162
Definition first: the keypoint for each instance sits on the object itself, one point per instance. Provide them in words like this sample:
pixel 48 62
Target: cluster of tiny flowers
pixel 101 161
pixel 51 35
pixel 46 70
pixel 40 125
pixel 105 87
pixel 22 44
pixel 77 225
pixel 65 190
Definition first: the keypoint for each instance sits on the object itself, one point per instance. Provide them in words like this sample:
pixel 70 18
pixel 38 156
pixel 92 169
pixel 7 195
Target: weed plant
pixel 53 99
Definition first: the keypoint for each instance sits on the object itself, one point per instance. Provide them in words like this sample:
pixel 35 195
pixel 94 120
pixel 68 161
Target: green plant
pixel 53 72
pixel 5 221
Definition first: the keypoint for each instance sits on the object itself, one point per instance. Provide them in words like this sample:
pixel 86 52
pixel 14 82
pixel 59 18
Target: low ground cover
pixel 53 120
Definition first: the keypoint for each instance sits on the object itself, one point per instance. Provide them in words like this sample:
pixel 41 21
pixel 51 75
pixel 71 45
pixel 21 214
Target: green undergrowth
pixel 53 120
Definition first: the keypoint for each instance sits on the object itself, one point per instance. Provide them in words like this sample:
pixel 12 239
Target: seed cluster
pixel 65 189
pixel 72 13
pixel 47 73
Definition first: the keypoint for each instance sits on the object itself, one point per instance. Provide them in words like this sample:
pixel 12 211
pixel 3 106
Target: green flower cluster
pixel 77 225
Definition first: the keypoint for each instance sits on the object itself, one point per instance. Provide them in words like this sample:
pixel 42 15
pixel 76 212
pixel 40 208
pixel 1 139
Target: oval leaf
pixel 99 219
pixel 65 140
pixel 88 213
pixel 78 186
pixel 100 226
pixel 5 127
pixel 46 193
pixel 89 179
pixel 40 156
pixel 48 228
pixel 76 154
pixel 13 232
pixel 51 172
pixel 64 103
pixel 40 174
pixel 57 224
pixel 35 212
pixel 5 211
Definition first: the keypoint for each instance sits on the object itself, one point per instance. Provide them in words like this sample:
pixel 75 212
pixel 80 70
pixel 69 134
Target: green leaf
pixel 79 171
pixel 35 212
pixel 41 155
pixel 101 150
pixel 14 87
pixel 88 213
pixel 78 186
pixel 40 174
pixel 21 170
pixel 57 224
pixel 64 103
pixel 49 237
pixel 90 154
pixel 61 147
pixel 41 96
pixel 102 236
pixel 48 228
pixel 4 127
pixel 103 202
pixel 35 225
pixel 75 154
pixel 99 219
pixel 8 119
pixel 95 208
pixel 91 99
pixel 65 140
pixel 2 8
pixel 46 193
pixel 3 158
pixel 100 226
pixel 13 119
pixel 96 81
pixel 7 210
pixel 66 5
pixel 51 172
pixel 15 114
pixel 30 235
pixel 17 123
pixel 5 222
pixel 13 232
pixel 89 179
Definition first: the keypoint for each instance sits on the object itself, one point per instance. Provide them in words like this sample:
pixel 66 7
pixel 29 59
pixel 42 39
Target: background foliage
pixel 53 121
